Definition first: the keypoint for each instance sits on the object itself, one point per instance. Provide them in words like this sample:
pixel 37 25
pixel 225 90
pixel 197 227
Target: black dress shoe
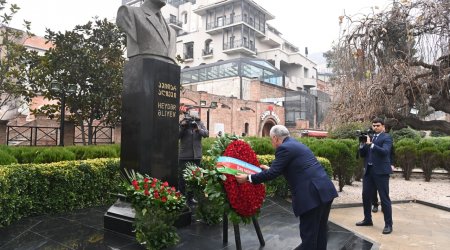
pixel 364 223
pixel 375 209
pixel 387 229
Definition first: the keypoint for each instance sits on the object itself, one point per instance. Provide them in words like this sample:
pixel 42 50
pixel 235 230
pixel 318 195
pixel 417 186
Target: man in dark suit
pixel 312 190
pixel 377 161
pixel 147 32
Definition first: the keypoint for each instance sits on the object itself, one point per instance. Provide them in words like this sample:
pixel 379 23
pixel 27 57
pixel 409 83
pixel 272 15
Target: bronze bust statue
pixel 148 34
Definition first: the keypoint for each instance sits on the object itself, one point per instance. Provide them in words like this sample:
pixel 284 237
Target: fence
pixel 32 136
pixel 49 136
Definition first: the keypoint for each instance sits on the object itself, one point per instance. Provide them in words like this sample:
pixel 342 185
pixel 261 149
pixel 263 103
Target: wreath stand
pixel 237 235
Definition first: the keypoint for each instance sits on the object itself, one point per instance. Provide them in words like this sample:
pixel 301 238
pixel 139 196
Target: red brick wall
pixel 237 115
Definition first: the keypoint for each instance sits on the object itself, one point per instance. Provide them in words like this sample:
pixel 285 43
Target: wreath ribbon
pixel 230 165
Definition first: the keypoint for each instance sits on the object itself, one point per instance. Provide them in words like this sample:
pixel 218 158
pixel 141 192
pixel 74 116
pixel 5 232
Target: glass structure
pixel 241 67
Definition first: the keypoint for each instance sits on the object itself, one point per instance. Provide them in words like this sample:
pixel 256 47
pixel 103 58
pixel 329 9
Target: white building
pixel 212 31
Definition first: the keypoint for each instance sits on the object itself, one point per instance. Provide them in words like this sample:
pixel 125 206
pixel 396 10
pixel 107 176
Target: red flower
pixel 135 184
pixel 165 184
pixel 246 199
pixel 146 180
pixel 146 193
pixel 156 194
pixel 164 199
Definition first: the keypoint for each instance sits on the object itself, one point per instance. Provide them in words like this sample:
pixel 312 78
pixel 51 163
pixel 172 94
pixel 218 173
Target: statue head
pixel 157 3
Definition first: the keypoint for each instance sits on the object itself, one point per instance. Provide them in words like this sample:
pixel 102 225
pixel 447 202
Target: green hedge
pixel 34 189
pixel 279 186
pixel 25 155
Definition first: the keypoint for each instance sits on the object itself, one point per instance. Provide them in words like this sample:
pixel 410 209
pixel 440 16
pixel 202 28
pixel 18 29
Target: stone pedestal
pixel 150 114
pixel 149 130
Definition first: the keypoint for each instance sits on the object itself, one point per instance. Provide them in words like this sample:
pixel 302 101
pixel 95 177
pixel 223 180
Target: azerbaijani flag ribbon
pixel 230 165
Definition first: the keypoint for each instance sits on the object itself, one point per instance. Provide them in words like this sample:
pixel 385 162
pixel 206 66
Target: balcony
pixel 174 23
pixel 219 24
pixel 239 46
pixel 207 53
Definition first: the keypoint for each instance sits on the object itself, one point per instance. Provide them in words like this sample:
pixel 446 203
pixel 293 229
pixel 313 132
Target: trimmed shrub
pixel 24 154
pixel 35 189
pixel 427 143
pixel 326 165
pixel 348 130
pixel 446 161
pixel 261 145
pixel 405 157
pixel 6 158
pixel 406 142
pixel 342 160
pixel 279 186
pixel 429 159
pixel 406 133
pixel 56 154
pixel 94 152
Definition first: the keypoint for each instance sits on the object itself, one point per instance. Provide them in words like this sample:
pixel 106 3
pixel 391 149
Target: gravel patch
pixel 436 191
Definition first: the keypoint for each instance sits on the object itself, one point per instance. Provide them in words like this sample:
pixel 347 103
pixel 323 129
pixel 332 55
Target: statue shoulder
pixel 124 10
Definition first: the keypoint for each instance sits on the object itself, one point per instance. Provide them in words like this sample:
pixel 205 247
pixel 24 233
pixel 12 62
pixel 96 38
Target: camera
pixel 362 135
pixel 189 122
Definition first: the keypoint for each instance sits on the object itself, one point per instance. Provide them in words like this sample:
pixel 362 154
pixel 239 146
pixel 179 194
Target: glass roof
pixel 243 67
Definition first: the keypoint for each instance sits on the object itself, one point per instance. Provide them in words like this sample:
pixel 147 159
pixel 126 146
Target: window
pixel 185 17
pixel 207 50
pixel 173 19
pixel 220 21
pixel 189 50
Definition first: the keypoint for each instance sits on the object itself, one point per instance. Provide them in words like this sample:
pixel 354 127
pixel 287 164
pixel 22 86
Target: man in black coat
pixel 190 135
pixel 312 190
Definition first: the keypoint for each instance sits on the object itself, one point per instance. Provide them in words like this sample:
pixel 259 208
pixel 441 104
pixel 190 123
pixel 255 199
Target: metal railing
pixel 100 135
pixel 207 52
pixel 175 22
pixel 32 136
pixel 239 44
pixel 225 21
pixel 49 136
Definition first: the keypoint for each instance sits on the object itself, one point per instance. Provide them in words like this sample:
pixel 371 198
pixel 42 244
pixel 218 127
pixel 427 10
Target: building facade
pixel 228 49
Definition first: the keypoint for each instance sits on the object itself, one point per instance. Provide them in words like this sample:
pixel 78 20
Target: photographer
pixel 376 151
pixel 190 135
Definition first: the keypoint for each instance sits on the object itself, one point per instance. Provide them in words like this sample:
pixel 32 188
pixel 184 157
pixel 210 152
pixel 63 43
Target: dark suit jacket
pixel 381 154
pixel 145 34
pixel 310 185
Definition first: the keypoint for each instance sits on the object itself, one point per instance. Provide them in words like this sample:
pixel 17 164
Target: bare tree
pixel 394 63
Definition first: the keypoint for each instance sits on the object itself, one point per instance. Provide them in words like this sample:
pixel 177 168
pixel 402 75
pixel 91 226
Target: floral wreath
pixel 220 189
pixel 247 198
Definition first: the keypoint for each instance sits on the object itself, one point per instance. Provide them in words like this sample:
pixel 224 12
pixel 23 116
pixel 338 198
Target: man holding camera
pixel 191 133
pixel 376 151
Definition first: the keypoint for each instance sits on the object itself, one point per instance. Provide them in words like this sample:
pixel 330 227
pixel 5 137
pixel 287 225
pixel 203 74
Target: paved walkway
pixel 415 226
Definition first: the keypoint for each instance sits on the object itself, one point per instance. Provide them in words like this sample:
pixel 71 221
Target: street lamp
pixel 59 88
pixel 212 105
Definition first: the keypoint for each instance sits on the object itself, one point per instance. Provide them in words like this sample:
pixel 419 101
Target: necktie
pixel 374 138
pixel 164 29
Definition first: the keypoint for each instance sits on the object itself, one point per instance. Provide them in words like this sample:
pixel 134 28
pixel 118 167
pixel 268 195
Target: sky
pixel 313 23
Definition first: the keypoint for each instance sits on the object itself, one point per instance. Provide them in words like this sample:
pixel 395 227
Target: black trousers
pixel 371 183
pixel 375 198
pixel 314 228
pixel 182 164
